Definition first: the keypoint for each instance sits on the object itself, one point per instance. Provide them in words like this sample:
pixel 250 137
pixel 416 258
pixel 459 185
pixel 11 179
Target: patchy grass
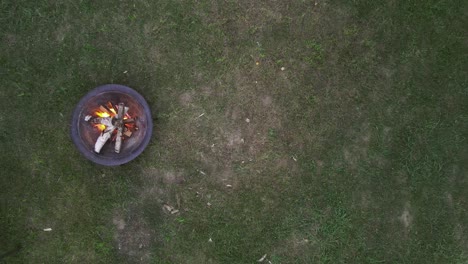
pixel 313 132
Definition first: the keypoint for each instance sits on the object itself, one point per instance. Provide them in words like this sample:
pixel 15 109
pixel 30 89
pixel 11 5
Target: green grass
pixel 354 152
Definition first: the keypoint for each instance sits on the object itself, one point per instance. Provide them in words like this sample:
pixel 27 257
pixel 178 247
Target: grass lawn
pixel 309 131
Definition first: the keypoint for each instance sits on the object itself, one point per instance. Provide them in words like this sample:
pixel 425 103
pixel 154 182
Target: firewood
pixel 106 134
pixel 121 111
pixel 111 108
pixel 107 121
pixel 128 133
pixel 102 139
pixel 118 140
pixel 130 120
pixel 104 109
pixel 115 122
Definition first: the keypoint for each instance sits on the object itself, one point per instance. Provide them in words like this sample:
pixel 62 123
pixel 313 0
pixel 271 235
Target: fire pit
pixel 111 125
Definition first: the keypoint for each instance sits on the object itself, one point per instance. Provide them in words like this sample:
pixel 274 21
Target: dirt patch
pixel 186 98
pixel 287 164
pixel 206 90
pixel 366 199
pixel 255 17
pixel 358 149
pixel 158 183
pixel 133 236
pixel 62 32
pixel 250 121
pixel 234 139
pixel 267 100
pixel 155 56
pixel 172 177
pixel 150 29
pixel 119 222
pixel 234 113
pixel 155 175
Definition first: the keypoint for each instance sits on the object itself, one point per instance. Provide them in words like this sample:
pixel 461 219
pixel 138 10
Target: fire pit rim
pixel 76 119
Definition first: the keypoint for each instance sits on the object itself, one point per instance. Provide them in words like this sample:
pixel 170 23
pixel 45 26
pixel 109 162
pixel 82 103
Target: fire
pixel 109 111
pixel 114 124
pixel 101 127
pixel 111 108
pixel 102 114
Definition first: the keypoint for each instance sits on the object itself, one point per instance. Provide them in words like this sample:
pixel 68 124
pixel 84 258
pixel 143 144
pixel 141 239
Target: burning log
pixel 110 120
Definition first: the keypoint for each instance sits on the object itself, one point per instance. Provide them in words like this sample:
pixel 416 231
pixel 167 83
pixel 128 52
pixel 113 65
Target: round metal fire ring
pixel 89 124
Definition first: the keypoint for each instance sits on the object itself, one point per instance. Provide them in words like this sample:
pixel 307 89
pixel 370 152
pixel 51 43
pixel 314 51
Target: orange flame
pixel 111 108
pixel 102 114
pixel 101 127
pixel 110 113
